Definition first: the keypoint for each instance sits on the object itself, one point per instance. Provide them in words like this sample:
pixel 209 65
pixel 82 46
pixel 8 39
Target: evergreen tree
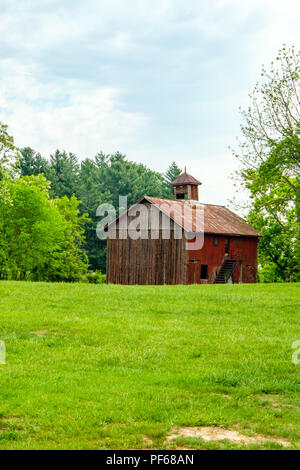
pixel 63 174
pixel 32 163
pixel 172 172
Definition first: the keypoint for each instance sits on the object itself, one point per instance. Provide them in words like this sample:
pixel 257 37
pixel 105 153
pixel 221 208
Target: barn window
pixel 204 271
pixel 216 241
pixel 239 242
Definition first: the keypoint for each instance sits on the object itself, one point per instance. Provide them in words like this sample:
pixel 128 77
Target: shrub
pixel 95 277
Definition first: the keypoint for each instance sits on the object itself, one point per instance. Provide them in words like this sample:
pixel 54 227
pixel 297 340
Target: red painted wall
pixel 243 249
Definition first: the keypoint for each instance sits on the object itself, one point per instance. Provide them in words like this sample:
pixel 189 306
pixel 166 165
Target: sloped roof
pixel 185 178
pixel 218 220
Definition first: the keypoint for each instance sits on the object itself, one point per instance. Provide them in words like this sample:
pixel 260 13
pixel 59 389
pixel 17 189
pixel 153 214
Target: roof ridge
pixel 183 201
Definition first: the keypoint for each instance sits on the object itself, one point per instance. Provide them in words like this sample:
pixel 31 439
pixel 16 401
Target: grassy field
pixel 104 367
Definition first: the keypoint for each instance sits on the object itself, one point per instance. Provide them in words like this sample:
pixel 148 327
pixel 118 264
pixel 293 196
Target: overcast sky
pixel 158 80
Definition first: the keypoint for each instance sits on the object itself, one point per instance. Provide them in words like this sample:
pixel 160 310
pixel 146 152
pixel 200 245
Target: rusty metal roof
pixel 217 219
pixel 185 178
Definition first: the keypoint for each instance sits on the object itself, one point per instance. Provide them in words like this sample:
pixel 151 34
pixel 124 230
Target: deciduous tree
pixel 269 156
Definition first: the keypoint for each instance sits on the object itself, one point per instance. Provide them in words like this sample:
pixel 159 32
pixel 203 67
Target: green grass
pixel 121 362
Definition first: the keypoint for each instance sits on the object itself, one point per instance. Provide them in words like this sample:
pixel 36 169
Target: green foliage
pixel 269 273
pixel 92 192
pixel 32 163
pixel 103 366
pixel 170 175
pixel 9 154
pixel 9 157
pixel 62 170
pixel 273 213
pixel 40 238
pixel 94 277
pixel 270 165
pixel 122 177
pixel 63 174
pixel 172 172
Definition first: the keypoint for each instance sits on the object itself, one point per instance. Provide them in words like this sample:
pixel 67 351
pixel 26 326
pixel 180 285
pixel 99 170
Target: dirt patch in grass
pixel 10 422
pixel 276 401
pixel 184 448
pixel 12 419
pixel 212 433
pixel 220 394
pixel 273 400
pixel 147 441
pixel 40 333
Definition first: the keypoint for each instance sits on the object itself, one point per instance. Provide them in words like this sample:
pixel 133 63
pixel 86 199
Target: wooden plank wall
pixel 147 261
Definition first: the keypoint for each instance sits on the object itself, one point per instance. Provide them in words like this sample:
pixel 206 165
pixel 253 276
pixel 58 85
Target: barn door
pixel 193 272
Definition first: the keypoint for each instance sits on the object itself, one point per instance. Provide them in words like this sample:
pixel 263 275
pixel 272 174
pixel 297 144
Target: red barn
pixel 181 241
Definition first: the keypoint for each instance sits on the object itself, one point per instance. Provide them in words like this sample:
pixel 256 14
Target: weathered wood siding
pixel 190 190
pixel 146 261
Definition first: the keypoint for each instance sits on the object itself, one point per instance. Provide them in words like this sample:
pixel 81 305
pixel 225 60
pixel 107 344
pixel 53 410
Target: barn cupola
pixel 186 187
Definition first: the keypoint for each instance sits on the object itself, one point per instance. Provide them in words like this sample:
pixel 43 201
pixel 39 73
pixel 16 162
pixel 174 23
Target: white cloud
pixel 65 115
